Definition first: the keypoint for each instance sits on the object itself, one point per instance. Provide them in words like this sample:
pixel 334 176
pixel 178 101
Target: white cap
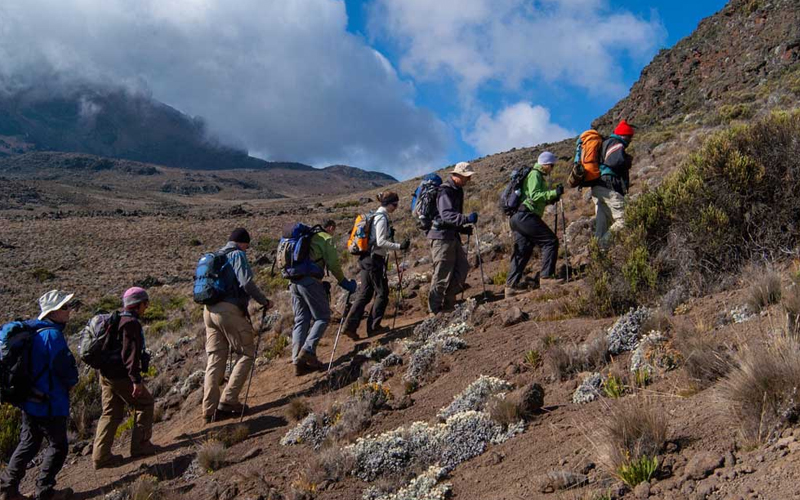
pixel 53 301
pixel 464 169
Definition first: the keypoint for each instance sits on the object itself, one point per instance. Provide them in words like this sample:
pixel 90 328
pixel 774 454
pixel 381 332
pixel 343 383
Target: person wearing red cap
pixel 608 192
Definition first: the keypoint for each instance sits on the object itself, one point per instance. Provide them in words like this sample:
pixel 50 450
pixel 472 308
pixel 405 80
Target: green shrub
pixel 613 387
pixel 156 311
pixel 163 326
pixel 266 244
pixel 347 204
pixel 740 111
pixel 85 407
pixel 500 277
pixel 637 471
pixel 10 425
pixel 124 427
pixel 107 303
pixel 533 359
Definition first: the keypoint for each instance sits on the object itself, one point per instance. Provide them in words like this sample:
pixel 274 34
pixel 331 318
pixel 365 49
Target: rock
pixel 87 450
pixel 589 390
pixel 624 335
pixel 561 480
pixel 251 454
pixel 703 464
pixel 513 315
pixel 642 490
pixel 511 370
pixel 192 382
pixel 730 460
pixel 531 400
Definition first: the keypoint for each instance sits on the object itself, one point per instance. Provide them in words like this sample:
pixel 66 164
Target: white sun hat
pixel 464 169
pixel 53 301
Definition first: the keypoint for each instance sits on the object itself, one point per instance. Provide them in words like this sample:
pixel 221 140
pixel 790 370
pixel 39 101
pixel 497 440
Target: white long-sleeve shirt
pixel 380 236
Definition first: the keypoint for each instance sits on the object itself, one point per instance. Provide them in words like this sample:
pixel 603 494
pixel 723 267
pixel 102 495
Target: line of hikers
pixel 114 343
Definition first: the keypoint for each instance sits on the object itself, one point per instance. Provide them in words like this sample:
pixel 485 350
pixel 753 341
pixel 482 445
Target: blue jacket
pixel 52 358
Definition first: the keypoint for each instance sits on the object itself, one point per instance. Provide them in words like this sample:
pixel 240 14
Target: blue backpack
pixel 511 198
pixel 16 371
pixel 209 286
pixel 294 252
pixel 423 202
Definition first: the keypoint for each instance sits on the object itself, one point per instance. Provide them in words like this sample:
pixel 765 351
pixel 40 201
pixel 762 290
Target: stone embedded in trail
pixel 561 480
pixel 624 335
pixel 702 464
pixel 513 315
pixel 589 390
pixel 192 382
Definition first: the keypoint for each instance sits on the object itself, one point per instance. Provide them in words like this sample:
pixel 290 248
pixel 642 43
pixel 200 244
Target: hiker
pixel 122 385
pixel 46 413
pixel 329 226
pixel 373 265
pixel 312 310
pixel 450 264
pixel 608 192
pixel 229 329
pixel 530 230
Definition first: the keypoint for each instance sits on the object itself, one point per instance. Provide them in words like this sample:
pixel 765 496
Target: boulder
pixel 703 464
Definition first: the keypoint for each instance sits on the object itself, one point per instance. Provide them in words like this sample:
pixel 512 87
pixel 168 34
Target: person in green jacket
pixel 530 230
pixel 312 311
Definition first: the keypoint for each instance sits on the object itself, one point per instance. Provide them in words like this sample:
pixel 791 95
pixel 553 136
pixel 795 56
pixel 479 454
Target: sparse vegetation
pixel 145 488
pixel 533 358
pixel 505 411
pixel 347 204
pixel 791 307
pixel 704 359
pixel 297 410
pixel 232 435
pixel 85 405
pixel 332 464
pixel 760 392
pixel 564 360
pixel 10 425
pixel 211 455
pixel 42 274
pixel 630 439
pixel 613 387
pixel 765 287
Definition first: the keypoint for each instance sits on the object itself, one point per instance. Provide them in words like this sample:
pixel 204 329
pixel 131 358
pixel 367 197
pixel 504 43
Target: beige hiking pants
pixel 116 396
pixel 227 330
pixel 609 209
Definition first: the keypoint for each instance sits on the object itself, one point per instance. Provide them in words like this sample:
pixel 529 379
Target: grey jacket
pixel 244 286
pixel 381 235
pixel 450 205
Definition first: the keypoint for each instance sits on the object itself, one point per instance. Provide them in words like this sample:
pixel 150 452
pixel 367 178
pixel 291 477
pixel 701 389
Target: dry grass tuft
pixel 211 455
pixel 760 393
pixel 505 411
pixel 634 429
pixel 565 360
pixel 297 410
pixel 232 435
pixel 144 488
pixel 331 464
pixel 765 286
pixel 791 306
pixel 704 359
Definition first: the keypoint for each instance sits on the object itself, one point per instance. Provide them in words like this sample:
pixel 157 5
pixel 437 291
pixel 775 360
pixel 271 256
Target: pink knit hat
pixel 134 296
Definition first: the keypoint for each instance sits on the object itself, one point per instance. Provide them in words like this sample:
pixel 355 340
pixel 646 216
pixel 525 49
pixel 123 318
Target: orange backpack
pixel 358 243
pixel 587 154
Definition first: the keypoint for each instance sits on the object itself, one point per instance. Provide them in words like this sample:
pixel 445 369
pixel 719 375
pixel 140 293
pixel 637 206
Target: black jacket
pixel 450 219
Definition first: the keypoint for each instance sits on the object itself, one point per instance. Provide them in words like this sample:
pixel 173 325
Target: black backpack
pixel 423 202
pixel 16 367
pixel 98 345
pixel 511 198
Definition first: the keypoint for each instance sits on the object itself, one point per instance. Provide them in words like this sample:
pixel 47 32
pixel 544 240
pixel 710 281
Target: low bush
pixel 505 411
pixel 564 360
pixel 631 437
pixel 10 426
pixel 331 464
pixel 144 488
pixel 764 287
pixel 211 455
pixel 85 407
pixel 704 359
pixel 760 392
pixel 232 435
pixel 297 410
pixel 532 358
pixel 614 387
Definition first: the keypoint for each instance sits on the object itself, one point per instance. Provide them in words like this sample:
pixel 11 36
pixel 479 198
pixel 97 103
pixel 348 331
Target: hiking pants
pixel 30 440
pixel 609 209
pixel 312 313
pixel 228 330
pixel 116 398
pixel 373 282
pixel 450 268
pixel 530 231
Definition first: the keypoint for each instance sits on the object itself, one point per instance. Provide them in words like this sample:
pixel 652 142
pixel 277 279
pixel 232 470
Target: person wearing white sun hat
pixel 46 412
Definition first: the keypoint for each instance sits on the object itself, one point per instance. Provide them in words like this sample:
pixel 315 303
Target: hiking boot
pixel 513 291
pixel 12 495
pixel 64 494
pixel 146 449
pixel 301 369
pixel 228 410
pixel 109 462
pixel 208 419
pixel 378 331
pixel 552 278
pixel 310 360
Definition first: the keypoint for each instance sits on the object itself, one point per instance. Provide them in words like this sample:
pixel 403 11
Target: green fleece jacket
pixel 323 252
pixel 535 192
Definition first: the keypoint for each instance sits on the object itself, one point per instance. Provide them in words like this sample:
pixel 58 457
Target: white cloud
pixel 284 79
pixel 518 125
pixel 581 42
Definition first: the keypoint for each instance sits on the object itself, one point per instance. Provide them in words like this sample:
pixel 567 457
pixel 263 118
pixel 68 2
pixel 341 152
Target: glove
pixel 559 190
pixel 466 230
pixel 348 285
pixel 405 244
pixel 472 218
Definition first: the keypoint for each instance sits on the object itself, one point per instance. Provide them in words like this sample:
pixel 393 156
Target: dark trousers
pixel 530 231
pixel 373 282
pixel 30 440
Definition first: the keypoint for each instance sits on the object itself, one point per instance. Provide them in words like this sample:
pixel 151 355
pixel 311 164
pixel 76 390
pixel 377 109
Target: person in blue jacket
pixel 47 413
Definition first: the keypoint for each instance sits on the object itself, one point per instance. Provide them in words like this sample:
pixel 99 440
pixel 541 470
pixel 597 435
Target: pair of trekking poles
pixel 480 259
pixel 564 232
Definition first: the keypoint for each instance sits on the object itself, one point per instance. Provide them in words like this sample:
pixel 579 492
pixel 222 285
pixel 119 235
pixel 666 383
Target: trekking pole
pixel 480 260
pixel 255 358
pixel 339 331
pixel 564 229
pixel 469 238
pixel 399 298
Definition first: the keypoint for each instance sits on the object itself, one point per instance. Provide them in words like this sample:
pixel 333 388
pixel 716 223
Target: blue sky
pixel 571 107
pixel 399 86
